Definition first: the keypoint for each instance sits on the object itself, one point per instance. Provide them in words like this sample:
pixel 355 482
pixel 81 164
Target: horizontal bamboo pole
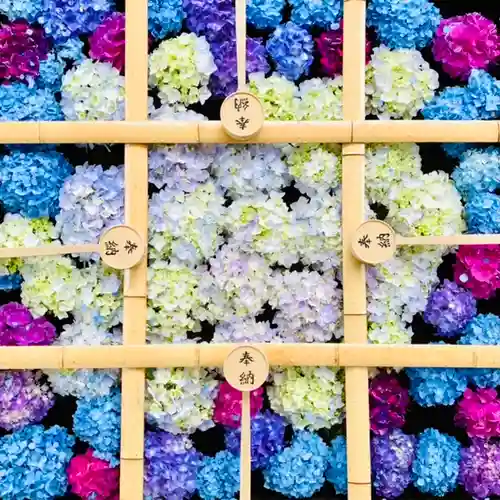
pixel 456 239
pixel 205 355
pixel 7 253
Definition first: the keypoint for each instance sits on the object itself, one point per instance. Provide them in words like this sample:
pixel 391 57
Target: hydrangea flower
pixel 33 462
pixel 228 402
pixel 483 329
pixel 92 478
pixel 278 96
pixel 165 17
pixel 219 477
pixel 450 308
pixel 323 13
pixel 213 18
pixel 464 43
pixel 435 467
pixel 24 399
pixel 175 112
pixel 403 25
pixel 291 49
pixel 171 468
pixel 336 472
pixel 398 83
pixel 268 434
pixel 180 400
pixel 91 201
pixel 30 182
pixel 180 68
pixel 245 330
pixel 107 42
pixel 97 422
pixel 51 72
pixel 477 268
pixel 70 49
pixel 316 168
pixel 308 397
pixel 246 170
pixel 320 99
pixel 17 9
pixel 436 386
pixel 93 91
pixel 186 227
pixel 298 471
pixel 392 458
pixel 388 404
pixel 308 306
pixel 479 413
pixel 482 212
pixel 18 102
pixel 265 14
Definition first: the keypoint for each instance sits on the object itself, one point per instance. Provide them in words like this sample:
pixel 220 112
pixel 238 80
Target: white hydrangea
pixel 180 400
pixel 320 99
pixel 245 330
pixel 179 112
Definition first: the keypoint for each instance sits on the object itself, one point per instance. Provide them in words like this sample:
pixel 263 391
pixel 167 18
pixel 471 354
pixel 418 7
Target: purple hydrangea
pixel 449 308
pixel 213 18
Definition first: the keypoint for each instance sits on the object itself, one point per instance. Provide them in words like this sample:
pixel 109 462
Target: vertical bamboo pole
pixel 354 282
pixel 135 286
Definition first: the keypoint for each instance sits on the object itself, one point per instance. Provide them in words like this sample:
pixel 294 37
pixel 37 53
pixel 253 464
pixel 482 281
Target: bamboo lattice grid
pixel 355 354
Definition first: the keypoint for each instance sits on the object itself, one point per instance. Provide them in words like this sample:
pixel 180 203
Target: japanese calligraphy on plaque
pixel 121 247
pixel 242 115
pixel 246 368
pixel 374 242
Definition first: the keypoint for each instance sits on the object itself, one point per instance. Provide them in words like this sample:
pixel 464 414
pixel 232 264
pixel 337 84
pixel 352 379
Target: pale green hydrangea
pixel 308 397
pixel 320 99
pixel 390 332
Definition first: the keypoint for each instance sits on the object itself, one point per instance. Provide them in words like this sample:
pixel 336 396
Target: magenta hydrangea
pixel 228 404
pixel 464 43
pixel 479 413
pixel 18 327
pixel 22 47
pixel 388 403
pixel 107 43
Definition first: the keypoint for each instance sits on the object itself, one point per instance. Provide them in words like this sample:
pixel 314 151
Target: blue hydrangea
pixel 336 473
pixel 21 9
pixel 71 49
pixel 10 282
pixel 165 17
pixel 33 463
pixel 479 171
pixel 484 91
pixel 63 19
pixel 291 49
pixel 455 149
pixel 219 477
pixel 482 214
pixel 97 422
pixel 51 72
pixel 268 434
pixel 404 25
pixel 483 377
pixel 18 102
pixel 30 182
pixel 436 386
pixel 299 470
pixel 321 13
pixel 265 14
pixel 435 466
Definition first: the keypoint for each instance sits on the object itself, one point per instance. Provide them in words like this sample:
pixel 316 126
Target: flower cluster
pixel 265 14
pixel 323 13
pixel 165 17
pixel 479 413
pixel 219 477
pixel 336 472
pixel 107 43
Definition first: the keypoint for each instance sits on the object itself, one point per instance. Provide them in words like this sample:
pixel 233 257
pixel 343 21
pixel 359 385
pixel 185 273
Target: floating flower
pixel 93 91
pixel 323 13
pixel 392 458
pixel 51 72
pixel 450 308
pixel 181 400
pixel 308 397
pixel 265 14
pixel 464 43
pixel 107 42
pixel 165 17
pixel 175 112
pixel 227 409
pixel 482 213
pixel 245 330
pixel 336 472
pixel 398 83
pixel 298 471
pixel 24 400
pixel 93 478
pixel 219 477
pixel 268 434
pixel 33 462
pixel 30 182
pixel 291 49
pixel 213 18
pixel 181 68
pixel 17 9
pixel 404 25
pixel 479 413
pixel 171 468
pixel 435 467
pixel 320 99
pixel 70 49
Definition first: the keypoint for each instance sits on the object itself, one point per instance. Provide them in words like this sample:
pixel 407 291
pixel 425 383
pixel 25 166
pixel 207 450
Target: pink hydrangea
pixel 464 43
pixel 22 47
pixel 228 405
pixel 330 47
pixel 107 43
pixel 92 478
pixel 478 268
pixel 479 413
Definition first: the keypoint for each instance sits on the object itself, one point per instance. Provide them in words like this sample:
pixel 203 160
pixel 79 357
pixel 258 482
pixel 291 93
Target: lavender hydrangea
pixel 213 18
pixel 246 329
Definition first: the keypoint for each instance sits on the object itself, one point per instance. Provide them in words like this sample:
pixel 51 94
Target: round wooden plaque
pixel 374 242
pixel 242 115
pixel 121 247
pixel 246 368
